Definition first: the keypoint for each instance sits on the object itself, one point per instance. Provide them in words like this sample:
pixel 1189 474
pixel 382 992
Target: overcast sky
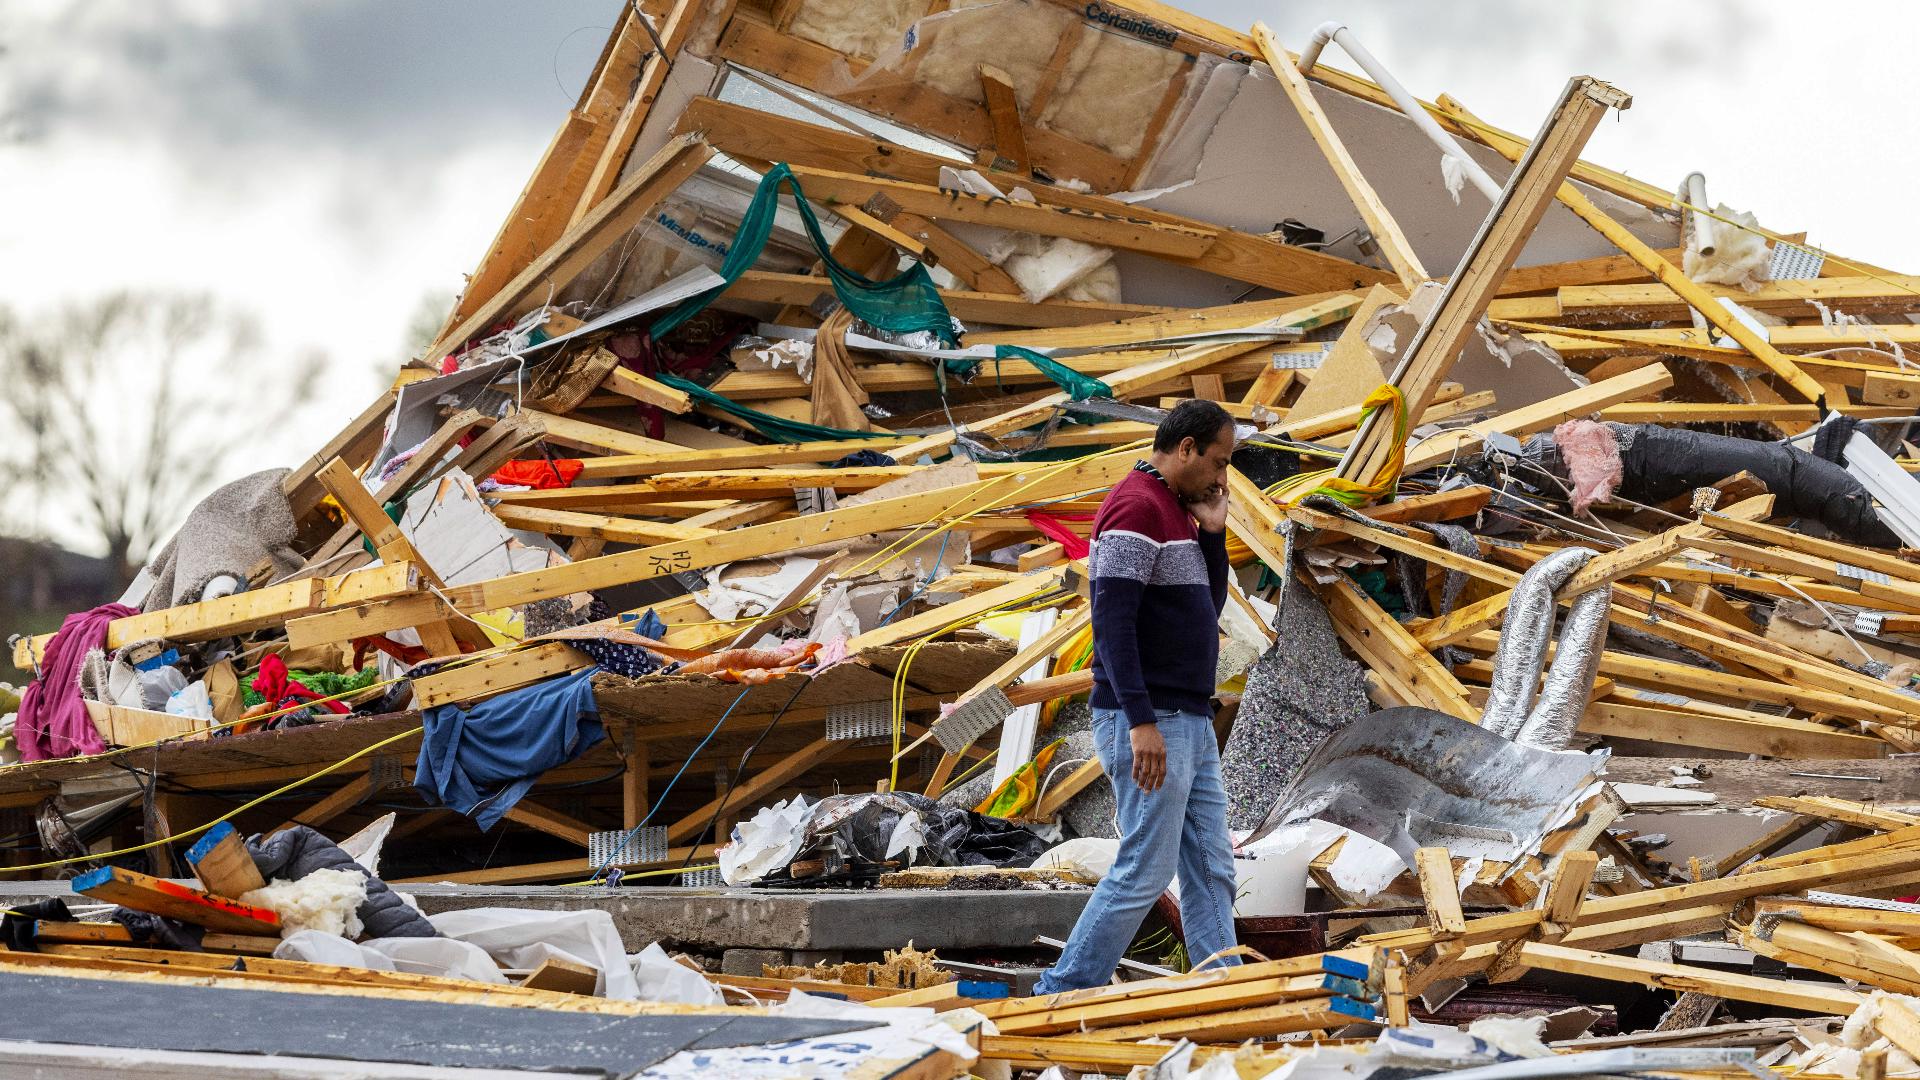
pixel 326 165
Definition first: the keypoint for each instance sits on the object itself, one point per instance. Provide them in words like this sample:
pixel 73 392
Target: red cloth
pixel 281 691
pixel 558 473
pixel 1054 528
pixel 53 721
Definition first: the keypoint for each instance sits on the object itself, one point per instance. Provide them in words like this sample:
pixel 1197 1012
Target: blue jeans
pixel 1181 828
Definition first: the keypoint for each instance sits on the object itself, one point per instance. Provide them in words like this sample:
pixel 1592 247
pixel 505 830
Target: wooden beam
pixel 473 681
pixel 440 637
pixel 628 205
pixel 1386 231
pixel 1813 997
pixel 1673 278
pixel 1601 571
pixel 767 780
pixel 1003 107
pixel 341 800
pixel 1440 892
pixel 801 290
pixel 131 889
pixel 1256 260
pixel 1474 282
pixel 642 564
pixel 1541 415
pixel 1092 227
pixel 625 130
pixel 257 609
pixel 550 821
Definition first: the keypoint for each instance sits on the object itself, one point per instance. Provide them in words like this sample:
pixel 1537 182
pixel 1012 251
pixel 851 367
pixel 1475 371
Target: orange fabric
pixel 542 475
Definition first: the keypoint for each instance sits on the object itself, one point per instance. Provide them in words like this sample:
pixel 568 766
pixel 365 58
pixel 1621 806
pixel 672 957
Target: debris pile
pixel 731 539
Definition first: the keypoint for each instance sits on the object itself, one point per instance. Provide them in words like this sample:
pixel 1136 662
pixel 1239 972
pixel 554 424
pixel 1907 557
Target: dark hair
pixel 1194 419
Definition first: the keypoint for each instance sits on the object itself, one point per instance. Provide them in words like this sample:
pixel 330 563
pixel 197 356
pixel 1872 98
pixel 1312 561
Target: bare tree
pixel 131 405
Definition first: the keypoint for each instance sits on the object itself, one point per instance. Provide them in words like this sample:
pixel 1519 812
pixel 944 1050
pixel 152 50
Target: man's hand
pixel 1149 756
pixel 1211 509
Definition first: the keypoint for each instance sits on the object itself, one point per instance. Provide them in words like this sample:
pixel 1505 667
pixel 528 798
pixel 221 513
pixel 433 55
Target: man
pixel 1159 568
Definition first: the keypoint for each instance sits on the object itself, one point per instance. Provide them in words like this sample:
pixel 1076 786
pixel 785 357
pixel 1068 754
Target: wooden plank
pixel 439 636
pixel 1671 276
pixel 1239 256
pixel 1003 108
pixel 1602 570
pixel 1541 171
pixel 1440 892
pixel 625 129
pixel 629 204
pixel 497 674
pixel 1042 482
pixel 1813 997
pixel 244 944
pixel 563 976
pixel 202 621
pixel 1123 231
pixel 1197 1003
pixel 767 780
pixel 916 626
pixel 586 435
pixel 550 821
pixel 647 391
pixel 121 725
pixel 1386 231
pixel 48 932
pixel 801 290
pixel 1541 415
pixel 619 530
pixel 1392 653
pixel 131 889
pixel 222 863
pixel 339 801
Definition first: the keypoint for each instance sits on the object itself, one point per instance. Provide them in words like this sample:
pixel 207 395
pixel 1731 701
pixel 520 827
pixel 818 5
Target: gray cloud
pixel 357 77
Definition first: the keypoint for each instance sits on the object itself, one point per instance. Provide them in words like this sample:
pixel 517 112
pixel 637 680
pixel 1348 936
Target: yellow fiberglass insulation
pixel 1016 36
pixel 1110 90
pixel 862 28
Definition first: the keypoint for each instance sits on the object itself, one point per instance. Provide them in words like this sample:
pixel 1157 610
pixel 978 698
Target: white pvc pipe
pixel 1694 189
pixel 1410 105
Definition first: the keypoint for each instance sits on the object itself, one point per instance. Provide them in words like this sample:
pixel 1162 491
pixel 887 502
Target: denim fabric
pixel 1180 828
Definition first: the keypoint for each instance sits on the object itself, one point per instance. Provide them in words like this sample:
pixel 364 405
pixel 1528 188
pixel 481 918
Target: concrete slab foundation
pixel 713 920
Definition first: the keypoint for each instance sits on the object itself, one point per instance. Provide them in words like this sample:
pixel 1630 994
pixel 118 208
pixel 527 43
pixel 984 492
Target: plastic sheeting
pixel 879 826
pixel 520 938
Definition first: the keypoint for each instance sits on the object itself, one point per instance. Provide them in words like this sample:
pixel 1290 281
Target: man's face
pixel 1200 468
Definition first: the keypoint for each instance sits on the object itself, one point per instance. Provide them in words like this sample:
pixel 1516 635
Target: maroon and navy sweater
pixel 1158 586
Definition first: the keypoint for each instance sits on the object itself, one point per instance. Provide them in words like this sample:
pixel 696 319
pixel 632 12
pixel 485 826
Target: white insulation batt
pixel 1019 37
pixel 326 900
pixel 864 28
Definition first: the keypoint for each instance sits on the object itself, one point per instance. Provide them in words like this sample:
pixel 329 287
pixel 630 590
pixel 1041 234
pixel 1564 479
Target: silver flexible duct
pixel 1524 634
pixel 1563 700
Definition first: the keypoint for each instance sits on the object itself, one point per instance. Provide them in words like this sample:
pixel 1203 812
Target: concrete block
pixel 750 962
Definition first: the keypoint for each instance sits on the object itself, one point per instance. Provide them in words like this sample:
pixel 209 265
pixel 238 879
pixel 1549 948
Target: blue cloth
pixel 481 759
pixel 1182 827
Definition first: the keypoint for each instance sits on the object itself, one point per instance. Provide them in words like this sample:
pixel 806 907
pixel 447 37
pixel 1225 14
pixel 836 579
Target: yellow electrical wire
pixel 937 526
pixel 907 542
pixel 899 702
pixel 469 658
pixel 1355 493
pixel 968 775
pixel 624 874
pixel 228 816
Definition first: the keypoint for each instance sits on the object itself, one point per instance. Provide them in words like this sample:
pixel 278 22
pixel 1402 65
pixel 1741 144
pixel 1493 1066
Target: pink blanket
pixel 53 720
